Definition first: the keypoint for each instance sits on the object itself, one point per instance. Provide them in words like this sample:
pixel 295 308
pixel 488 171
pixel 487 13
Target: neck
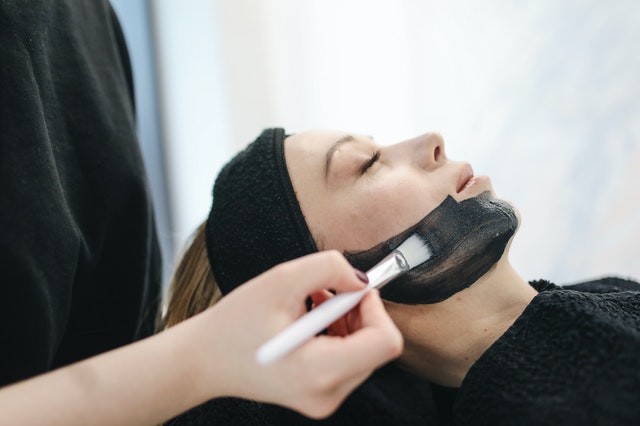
pixel 443 340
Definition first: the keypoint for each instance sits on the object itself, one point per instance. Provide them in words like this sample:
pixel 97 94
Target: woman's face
pixel 355 193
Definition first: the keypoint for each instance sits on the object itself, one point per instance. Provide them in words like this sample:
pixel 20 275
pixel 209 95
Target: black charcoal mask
pixel 466 238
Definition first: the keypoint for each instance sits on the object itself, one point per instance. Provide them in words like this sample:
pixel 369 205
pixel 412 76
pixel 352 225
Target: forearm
pixel 143 383
pixel 213 355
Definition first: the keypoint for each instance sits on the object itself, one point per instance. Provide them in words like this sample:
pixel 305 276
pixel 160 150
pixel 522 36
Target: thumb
pixel 323 270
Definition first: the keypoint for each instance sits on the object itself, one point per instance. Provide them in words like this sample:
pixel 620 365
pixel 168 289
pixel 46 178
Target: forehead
pixel 307 150
pixel 312 141
pixel 310 148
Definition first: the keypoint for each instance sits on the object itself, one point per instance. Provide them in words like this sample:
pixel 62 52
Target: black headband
pixel 255 221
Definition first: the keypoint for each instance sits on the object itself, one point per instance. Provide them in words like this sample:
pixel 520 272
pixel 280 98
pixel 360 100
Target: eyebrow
pixel 337 144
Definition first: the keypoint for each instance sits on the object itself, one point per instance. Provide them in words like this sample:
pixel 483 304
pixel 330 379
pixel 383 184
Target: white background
pixel 544 97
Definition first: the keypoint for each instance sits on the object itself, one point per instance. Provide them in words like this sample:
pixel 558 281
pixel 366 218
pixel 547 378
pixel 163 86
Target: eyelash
pixel 370 162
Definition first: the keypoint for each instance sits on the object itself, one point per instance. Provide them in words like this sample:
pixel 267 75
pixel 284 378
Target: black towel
pixel 390 397
pixel 572 358
pixel 255 221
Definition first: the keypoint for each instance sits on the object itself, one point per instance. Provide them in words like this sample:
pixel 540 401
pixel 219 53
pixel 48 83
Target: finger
pixel 320 296
pixel 341 326
pixel 372 312
pixel 353 320
pixel 328 269
pixel 377 342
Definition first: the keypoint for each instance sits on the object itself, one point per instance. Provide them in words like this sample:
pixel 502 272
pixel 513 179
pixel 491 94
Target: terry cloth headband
pixel 255 221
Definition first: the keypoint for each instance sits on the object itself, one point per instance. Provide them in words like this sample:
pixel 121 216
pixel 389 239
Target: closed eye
pixel 370 162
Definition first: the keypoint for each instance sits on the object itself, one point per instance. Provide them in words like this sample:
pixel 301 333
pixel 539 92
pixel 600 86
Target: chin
pixel 515 210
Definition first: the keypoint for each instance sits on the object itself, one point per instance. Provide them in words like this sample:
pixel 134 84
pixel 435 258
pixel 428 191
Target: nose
pixel 425 151
pixel 433 155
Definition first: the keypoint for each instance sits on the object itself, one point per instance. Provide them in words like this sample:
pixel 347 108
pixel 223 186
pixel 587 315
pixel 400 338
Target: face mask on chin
pixel 466 238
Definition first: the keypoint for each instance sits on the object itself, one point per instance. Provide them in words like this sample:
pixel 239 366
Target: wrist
pixel 187 361
pixel 205 358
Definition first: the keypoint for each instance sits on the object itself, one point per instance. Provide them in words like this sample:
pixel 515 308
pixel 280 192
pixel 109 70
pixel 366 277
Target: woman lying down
pixel 482 344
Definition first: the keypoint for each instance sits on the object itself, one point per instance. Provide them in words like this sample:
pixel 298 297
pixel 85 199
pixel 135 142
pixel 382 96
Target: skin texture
pixel 348 210
pixel 356 194
pixel 365 209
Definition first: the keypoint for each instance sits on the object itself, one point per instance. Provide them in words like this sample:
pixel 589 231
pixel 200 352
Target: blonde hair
pixel 193 287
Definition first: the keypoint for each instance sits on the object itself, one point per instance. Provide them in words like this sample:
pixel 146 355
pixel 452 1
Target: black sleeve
pixel 79 259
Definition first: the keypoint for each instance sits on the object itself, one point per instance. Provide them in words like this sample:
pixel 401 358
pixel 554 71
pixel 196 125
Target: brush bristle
pixel 415 250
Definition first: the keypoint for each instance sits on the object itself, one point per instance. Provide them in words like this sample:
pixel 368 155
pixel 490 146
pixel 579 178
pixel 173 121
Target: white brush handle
pixel 308 326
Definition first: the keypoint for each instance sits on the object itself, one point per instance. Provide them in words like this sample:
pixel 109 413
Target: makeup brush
pixel 411 253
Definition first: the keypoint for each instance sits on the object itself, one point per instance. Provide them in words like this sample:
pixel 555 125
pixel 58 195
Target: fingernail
pixel 362 276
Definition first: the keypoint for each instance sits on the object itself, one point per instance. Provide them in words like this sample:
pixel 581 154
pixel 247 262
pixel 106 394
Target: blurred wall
pixel 541 96
pixel 136 25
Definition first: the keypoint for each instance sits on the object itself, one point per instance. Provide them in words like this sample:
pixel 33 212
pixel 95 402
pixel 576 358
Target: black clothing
pixel 255 214
pixel 79 258
pixel 571 358
pixel 389 397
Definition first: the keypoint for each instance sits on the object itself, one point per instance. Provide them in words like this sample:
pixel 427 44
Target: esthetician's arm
pixel 212 355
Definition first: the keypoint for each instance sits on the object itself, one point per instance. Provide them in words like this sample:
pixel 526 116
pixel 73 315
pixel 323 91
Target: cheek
pixel 360 225
pixel 401 205
pixel 381 211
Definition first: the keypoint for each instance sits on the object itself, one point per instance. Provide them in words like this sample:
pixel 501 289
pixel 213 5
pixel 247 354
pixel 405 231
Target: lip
pixel 465 179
